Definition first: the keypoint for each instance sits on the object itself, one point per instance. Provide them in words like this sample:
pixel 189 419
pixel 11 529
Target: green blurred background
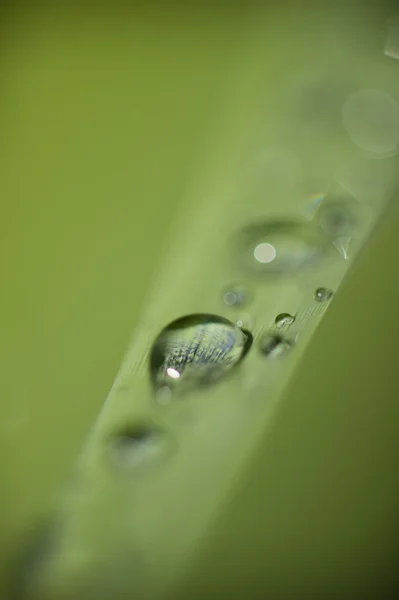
pixel 103 117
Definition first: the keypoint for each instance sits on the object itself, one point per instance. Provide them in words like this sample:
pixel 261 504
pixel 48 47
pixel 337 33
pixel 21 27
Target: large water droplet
pixel 273 345
pixel 196 350
pixel 279 247
pixel 284 320
pixel 323 294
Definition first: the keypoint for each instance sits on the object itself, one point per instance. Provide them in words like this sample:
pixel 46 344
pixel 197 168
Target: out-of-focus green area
pixel 102 122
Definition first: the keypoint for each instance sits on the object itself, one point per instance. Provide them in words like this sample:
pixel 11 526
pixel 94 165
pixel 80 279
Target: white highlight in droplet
pixel 172 373
pixel 265 253
pixel 371 118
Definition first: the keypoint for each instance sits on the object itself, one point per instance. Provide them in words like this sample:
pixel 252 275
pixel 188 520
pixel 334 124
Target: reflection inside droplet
pixel 284 320
pixel 196 350
pixel 265 253
pixel 279 247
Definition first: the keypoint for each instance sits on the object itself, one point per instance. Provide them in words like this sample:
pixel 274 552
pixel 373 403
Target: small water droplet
pixel 284 320
pixel 136 445
pixel 273 345
pixel 323 294
pixel 196 350
pixel 236 295
pixel 280 247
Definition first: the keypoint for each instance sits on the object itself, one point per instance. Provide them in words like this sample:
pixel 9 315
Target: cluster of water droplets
pixel 199 350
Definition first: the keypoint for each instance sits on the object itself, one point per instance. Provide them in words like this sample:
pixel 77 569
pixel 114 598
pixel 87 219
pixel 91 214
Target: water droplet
pixel 371 118
pixel 336 218
pixel 136 445
pixel 284 320
pixel 236 295
pixel 196 350
pixel 279 247
pixel 323 294
pixel 273 345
